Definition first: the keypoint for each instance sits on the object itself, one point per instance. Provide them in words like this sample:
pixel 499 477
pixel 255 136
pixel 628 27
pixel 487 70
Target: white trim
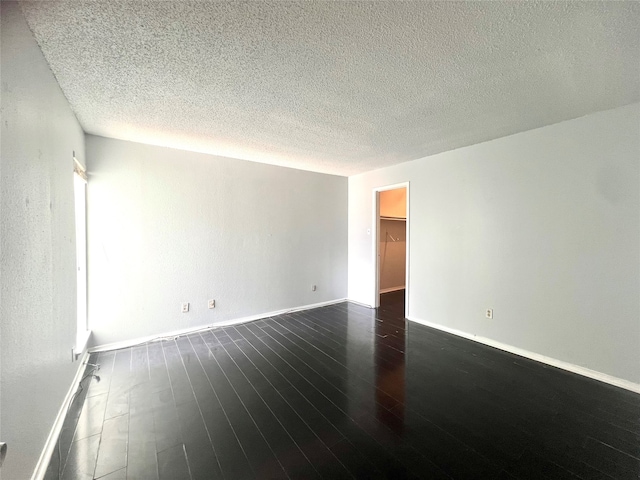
pixel 407 255
pixel 52 439
pixel 360 303
pixel 392 289
pixel 375 238
pixel 586 372
pixel 225 323
pixel 81 344
pixel 395 186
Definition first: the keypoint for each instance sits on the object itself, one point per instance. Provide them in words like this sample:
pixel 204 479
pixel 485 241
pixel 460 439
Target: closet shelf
pixel 397 219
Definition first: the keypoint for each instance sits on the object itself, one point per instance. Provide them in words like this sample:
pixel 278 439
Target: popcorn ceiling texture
pixel 335 87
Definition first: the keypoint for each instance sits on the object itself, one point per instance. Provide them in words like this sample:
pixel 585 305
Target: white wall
pixel 37 246
pixel 167 226
pixel 543 226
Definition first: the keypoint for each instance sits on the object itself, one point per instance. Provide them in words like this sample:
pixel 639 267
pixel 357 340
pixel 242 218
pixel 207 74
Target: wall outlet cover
pixel 212 304
pixel 185 307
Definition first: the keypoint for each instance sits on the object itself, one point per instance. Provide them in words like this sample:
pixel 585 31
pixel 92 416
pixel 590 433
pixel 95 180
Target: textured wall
pixel 37 246
pixel 168 226
pixel 543 226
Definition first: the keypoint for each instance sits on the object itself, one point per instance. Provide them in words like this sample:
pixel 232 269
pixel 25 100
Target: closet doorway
pixel 392 245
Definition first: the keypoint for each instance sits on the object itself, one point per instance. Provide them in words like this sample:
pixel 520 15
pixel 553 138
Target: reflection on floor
pixel 342 392
pixel 390 377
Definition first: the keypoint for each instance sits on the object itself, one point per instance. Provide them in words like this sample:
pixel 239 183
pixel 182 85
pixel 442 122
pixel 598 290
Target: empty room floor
pixel 341 392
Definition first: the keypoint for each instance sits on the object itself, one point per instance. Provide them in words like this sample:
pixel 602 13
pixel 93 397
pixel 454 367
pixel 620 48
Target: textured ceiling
pixel 336 87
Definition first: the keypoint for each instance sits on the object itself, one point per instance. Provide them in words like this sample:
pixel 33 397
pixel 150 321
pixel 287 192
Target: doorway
pixel 392 247
pixel 391 257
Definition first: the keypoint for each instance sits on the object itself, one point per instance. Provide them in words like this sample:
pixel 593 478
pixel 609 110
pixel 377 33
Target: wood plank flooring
pixel 341 392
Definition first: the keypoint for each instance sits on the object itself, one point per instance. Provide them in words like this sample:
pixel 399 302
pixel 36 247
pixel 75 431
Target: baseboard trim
pixel 52 439
pixel 366 305
pixel 586 372
pixel 225 323
pixel 391 289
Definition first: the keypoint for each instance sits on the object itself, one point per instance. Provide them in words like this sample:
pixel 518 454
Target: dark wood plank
pixel 288 452
pixel 342 391
pixel 201 457
pixel 232 459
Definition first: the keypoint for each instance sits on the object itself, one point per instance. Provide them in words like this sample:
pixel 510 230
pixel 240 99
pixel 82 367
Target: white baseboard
pixel 366 305
pixel 391 289
pixel 52 439
pixel 225 323
pixel 587 372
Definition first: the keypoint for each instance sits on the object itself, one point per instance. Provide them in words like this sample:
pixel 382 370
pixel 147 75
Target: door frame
pixel 376 243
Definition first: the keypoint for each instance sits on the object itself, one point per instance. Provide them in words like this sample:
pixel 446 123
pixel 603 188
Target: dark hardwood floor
pixel 341 392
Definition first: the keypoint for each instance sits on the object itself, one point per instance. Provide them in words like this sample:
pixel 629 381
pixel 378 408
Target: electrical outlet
pixel 489 313
pixel 313 288
pixel 185 308
pixel 212 304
